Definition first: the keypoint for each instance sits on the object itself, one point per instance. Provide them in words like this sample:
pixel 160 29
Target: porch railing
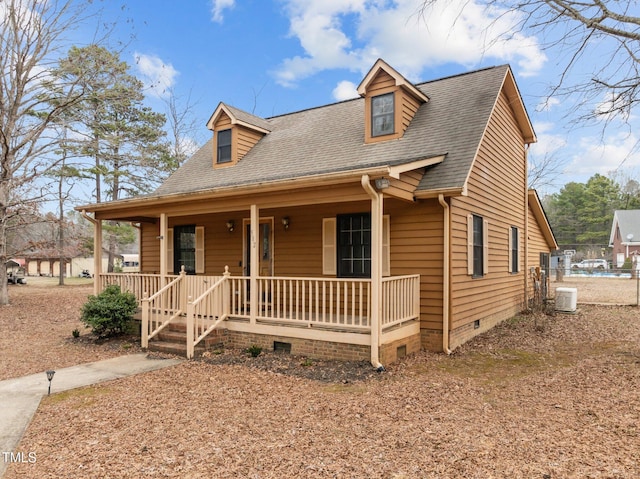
pixel 334 303
pixel 310 302
pixel 400 300
pixel 161 308
pixel 207 311
pixel 138 284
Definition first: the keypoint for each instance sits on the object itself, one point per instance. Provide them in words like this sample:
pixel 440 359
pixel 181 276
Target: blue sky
pixel 277 56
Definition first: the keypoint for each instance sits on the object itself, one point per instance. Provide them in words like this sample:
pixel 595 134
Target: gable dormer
pixel 391 102
pixel 235 132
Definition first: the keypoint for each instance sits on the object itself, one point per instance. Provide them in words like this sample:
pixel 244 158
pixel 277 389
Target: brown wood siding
pixel 416 243
pixel 417 246
pixel 246 139
pixel 149 248
pixel 496 191
pixel 382 81
pixel 410 106
pixel 537 242
pixel 404 187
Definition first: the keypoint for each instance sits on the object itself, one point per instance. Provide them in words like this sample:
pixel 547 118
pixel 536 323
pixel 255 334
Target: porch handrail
pixel 400 299
pixel 161 308
pixel 136 283
pixel 207 311
pixel 342 303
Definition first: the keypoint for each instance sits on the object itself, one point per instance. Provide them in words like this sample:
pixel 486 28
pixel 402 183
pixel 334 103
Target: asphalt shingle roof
pixel 331 139
pixel 629 223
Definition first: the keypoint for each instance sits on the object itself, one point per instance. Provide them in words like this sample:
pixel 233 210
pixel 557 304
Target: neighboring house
pixel 625 235
pixel 364 229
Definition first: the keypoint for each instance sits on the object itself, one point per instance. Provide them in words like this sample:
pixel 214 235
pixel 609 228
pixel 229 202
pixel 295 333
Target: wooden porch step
pixel 173 340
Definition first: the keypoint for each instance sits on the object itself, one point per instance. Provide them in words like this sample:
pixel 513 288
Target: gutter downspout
pixel 526 228
pixel 446 280
pixel 97 250
pixel 376 269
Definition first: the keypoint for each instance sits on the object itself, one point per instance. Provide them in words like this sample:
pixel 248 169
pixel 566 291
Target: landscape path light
pixel 50 374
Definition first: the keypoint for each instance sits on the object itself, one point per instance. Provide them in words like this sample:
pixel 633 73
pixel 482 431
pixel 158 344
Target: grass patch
pixel 502 365
pixel 346 388
pixel 84 397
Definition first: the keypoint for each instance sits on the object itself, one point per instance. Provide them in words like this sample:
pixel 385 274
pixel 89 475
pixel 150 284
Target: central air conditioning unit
pixel 566 299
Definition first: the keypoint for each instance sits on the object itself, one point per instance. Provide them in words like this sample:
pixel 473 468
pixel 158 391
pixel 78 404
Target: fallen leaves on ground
pixel 536 397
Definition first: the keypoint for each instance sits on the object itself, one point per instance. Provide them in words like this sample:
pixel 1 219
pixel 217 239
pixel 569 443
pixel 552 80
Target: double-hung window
pixel 513 250
pixel 354 245
pixel 382 115
pixel 224 147
pixel 184 248
pixel 477 246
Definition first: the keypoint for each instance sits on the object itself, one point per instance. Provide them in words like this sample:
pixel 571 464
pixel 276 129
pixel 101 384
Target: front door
pixel 265 247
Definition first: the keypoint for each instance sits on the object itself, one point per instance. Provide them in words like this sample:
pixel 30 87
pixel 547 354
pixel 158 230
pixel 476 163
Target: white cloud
pixel 345 90
pixel 547 104
pixel 612 108
pixel 549 142
pixel 597 155
pixel 157 75
pixel 218 7
pixel 352 34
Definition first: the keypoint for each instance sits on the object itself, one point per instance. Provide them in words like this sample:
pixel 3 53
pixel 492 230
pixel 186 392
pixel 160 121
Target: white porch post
pixel 97 256
pixel 97 252
pixel 164 231
pixel 376 268
pixel 255 260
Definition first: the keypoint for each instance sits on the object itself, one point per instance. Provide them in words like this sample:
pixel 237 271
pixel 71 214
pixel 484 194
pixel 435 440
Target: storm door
pixel 265 247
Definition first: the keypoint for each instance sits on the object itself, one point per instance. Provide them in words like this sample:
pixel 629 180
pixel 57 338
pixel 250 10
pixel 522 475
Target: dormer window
pixel 224 147
pixel 382 115
pixel 390 103
pixel 235 133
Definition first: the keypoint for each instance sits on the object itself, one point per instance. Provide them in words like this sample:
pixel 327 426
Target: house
pixel 365 229
pixel 625 236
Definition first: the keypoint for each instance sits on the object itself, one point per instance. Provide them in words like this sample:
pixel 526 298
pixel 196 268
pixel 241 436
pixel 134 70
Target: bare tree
pixel 32 37
pixel 599 37
pixel 544 171
pixel 183 128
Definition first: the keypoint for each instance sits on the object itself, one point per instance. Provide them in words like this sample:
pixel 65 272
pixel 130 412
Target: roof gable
pixel 382 66
pixel 541 217
pixel 239 117
pixel 628 221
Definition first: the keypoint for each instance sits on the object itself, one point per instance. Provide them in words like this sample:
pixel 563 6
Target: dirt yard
pixel 601 290
pixel 537 397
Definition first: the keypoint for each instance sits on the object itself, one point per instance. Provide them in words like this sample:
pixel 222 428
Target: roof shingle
pixel 330 139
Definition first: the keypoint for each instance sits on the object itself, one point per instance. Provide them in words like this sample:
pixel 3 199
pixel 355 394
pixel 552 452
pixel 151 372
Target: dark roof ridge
pixel 455 75
pixel 426 82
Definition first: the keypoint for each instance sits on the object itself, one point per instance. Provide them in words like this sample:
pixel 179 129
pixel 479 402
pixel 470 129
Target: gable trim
pixel 538 213
pixel 401 81
pixel 395 171
pixel 234 119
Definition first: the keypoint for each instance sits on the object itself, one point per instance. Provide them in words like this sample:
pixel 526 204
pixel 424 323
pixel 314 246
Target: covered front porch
pixel 318 309
pixel 311 263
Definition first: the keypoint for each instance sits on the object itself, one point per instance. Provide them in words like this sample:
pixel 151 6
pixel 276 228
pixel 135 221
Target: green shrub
pixel 110 313
pixel 254 350
pixel 75 333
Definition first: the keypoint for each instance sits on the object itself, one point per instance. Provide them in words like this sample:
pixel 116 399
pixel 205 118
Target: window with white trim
pixel 514 250
pixel 477 246
pixel 186 248
pixel 382 115
pixel 354 246
pixel 349 242
pixel 224 147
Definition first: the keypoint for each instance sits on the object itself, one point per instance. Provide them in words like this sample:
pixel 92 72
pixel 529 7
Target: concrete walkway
pixel 20 397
